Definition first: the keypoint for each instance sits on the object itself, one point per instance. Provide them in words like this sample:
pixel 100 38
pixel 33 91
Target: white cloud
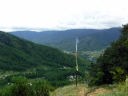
pixel 57 14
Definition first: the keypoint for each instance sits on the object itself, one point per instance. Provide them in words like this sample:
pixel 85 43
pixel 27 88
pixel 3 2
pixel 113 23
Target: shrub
pixel 21 86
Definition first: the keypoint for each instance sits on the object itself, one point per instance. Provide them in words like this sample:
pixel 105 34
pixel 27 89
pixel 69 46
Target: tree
pixel 112 66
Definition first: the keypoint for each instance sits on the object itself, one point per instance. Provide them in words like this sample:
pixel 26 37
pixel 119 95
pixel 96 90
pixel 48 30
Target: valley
pixel 63 48
pixel 92 42
pixel 19 57
pixel 33 62
pixel 89 39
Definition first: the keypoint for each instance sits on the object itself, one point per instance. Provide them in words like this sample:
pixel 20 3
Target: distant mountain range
pixel 20 55
pixel 89 39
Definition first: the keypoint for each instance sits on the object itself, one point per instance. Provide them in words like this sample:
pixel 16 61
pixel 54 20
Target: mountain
pixel 65 40
pixel 34 60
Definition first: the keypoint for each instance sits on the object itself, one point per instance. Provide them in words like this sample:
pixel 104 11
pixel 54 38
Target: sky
pixel 41 15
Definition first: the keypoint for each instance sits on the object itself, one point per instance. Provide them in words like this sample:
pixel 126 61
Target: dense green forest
pixel 112 65
pixel 20 57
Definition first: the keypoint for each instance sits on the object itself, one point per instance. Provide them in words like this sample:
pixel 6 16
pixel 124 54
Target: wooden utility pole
pixel 76 55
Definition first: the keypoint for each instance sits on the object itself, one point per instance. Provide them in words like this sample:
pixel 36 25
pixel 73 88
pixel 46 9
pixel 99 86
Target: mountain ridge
pixel 65 39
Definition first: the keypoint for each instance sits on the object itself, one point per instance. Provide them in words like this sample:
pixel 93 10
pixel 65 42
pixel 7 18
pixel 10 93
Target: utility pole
pixel 76 55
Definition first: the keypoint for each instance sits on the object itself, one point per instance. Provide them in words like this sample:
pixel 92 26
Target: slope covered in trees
pixel 112 66
pixel 37 61
pixel 65 39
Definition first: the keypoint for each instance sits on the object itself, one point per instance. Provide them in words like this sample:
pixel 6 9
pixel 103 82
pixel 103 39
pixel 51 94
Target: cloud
pixel 62 14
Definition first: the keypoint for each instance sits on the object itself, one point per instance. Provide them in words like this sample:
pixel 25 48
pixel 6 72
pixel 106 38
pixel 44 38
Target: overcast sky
pixel 62 14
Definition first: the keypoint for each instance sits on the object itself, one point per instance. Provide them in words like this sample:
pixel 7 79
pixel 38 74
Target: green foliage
pixel 21 86
pixel 18 54
pixel 33 61
pixel 119 90
pixel 41 88
pixel 112 66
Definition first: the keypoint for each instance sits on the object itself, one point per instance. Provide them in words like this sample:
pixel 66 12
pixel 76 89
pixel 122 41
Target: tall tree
pixel 112 66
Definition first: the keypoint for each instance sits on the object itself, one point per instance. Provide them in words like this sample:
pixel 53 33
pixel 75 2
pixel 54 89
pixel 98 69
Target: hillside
pixel 66 39
pixel 36 61
pixel 83 90
pixel 71 90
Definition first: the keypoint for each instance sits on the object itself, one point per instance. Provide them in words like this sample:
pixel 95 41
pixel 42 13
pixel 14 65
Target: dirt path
pixel 98 91
pixel 83 91
pixel 80 90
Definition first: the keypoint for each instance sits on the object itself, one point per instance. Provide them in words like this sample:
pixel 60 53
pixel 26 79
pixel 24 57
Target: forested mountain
pixel 65 40
pixel 20 55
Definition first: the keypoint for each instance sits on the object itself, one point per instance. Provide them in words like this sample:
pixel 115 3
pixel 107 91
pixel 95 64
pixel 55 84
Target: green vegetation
pixel 89 39
pixel 21 86
pixel 17 54
pixel 119 90
pixel 112 66
pixel 91 55
pixel 71 90
pixel 19 57
pixel 25 68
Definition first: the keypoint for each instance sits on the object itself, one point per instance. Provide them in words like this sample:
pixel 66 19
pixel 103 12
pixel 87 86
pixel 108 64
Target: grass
pixel 120 90
pixel 70 90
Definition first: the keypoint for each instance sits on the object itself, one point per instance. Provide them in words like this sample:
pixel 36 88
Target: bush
pixel 120 90
pixel 41 88
pixel 21 86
